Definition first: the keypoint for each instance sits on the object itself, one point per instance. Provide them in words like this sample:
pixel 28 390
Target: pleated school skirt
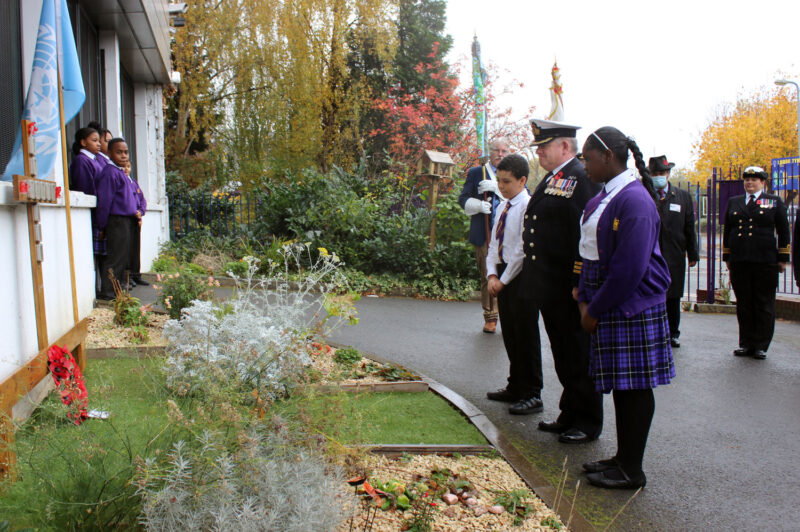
pixel 628 353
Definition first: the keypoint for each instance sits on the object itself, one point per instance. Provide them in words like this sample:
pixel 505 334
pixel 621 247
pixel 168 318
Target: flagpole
pixel 70 246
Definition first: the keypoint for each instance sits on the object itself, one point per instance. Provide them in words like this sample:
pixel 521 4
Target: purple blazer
pixel 114 195
pixel 101 161
pixel 83 172
pixel 141 203
pixel 636 275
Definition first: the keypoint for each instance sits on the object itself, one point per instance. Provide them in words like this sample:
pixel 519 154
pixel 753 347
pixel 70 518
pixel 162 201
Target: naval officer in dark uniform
pixel 550 272
pixel 678 238
pixel 755 259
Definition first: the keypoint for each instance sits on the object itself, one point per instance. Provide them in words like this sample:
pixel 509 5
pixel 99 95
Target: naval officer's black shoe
pixel 674 342
pixel 141 282
pixel 759 354
pixel 616 478
pixel 600 465
pixel 741 352
pixel 531 405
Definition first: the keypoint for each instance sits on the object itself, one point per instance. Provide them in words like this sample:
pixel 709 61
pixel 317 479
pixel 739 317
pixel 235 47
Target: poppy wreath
pixel 69 382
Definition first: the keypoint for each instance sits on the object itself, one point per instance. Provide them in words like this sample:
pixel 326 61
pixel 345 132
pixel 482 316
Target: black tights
pixel 634 410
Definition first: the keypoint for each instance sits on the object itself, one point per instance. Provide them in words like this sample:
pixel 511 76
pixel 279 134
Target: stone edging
pixel 526 470
pixel 714 308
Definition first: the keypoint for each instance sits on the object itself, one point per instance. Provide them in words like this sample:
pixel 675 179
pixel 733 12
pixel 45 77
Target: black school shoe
pixel 531 405
pixel 742 352
pixel 141 282
pixel 503 395
pixel 616 479
pixel 600 465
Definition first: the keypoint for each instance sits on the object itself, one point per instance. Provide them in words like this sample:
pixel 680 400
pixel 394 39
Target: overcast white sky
pixel 657 70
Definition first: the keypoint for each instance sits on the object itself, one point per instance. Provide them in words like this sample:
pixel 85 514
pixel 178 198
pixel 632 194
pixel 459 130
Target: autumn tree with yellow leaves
pixel 752 131
pixel 267 82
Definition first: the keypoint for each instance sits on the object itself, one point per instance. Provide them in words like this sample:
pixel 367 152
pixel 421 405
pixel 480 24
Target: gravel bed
pixel 104 333
pixel 484 473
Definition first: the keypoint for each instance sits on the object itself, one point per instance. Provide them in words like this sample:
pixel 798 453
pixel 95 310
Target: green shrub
pixel 347 356
pixel 177 290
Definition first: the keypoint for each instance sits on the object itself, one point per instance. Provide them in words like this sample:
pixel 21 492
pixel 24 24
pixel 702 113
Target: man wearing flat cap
pixel 551 269
pixel 678 238
pixel 754 259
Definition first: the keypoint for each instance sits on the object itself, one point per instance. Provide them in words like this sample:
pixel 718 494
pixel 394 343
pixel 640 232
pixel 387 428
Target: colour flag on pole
pixel 478 78
pixel 55 44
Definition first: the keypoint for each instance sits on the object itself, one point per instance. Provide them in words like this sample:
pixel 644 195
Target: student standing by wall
pixel 116 212
pixel 621 296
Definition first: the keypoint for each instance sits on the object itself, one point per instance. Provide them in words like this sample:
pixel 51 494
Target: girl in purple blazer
pixel 84 168
pixel 622 296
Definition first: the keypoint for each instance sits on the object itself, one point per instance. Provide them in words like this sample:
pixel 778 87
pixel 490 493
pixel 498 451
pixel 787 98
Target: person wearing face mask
pixel 754 259
pixel 678 238
pixel 480 198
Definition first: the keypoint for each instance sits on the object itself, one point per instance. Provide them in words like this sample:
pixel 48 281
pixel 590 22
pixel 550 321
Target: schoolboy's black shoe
pixel 759 354
pixel 503 395
pixel 616 479
pixel 574 435
pixel 141 282
pixel 600 465
pixel 674 342
pixel 531 405
pixel 741 352
pixel 552 426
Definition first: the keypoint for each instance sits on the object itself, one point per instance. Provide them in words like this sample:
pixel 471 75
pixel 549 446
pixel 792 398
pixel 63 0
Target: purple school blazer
pixel 114 195
pixel 636 275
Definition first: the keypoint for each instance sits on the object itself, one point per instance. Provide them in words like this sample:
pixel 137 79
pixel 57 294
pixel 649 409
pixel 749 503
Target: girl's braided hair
pixel 615 141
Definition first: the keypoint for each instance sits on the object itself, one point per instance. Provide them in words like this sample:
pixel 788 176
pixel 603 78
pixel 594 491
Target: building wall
pixel 149 120
pixel 17 313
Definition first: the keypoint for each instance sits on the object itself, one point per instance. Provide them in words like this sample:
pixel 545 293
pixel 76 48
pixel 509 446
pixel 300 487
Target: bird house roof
pixel 439 157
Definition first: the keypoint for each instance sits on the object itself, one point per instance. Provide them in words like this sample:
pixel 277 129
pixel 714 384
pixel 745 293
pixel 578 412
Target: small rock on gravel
pixel 497 509
pixel 449 498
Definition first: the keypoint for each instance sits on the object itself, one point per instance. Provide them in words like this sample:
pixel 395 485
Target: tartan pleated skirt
pixel 628 353
pixel 99 245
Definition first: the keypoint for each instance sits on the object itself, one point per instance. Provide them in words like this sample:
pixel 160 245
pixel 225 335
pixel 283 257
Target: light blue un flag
pixel 55 44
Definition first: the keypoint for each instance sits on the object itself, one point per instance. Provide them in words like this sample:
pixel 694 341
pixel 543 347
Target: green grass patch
pixel 383 418
pixel 72 477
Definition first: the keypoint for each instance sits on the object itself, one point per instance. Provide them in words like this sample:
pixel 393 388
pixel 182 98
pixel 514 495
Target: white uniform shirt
pixel 512 239
pixel 89 154
pixel 588 245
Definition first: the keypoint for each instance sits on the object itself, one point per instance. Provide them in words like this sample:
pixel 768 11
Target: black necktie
pixel 752 200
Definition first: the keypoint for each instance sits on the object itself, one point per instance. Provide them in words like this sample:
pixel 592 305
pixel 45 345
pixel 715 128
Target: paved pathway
pixel 725 442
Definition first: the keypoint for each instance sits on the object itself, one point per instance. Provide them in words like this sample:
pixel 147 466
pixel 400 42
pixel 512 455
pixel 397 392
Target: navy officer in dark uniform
pixel 755 259
pixel 678 238
pixel 550 272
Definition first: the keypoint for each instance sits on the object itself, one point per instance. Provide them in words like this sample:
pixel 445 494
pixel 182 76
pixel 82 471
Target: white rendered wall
pixel 17 313
pixel 149 122
pixel 109 43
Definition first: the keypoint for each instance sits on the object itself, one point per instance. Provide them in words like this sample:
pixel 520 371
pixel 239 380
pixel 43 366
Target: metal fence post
pixel 711 238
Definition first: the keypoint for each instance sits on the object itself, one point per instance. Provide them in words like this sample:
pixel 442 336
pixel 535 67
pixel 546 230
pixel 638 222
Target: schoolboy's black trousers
pixel 519 323
pixel 118 236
